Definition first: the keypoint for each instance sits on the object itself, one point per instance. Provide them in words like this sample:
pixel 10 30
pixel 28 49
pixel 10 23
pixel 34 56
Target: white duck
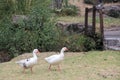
pixel 30 62
pixel 56 59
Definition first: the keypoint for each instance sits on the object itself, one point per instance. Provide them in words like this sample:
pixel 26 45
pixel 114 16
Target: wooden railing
pixel 94 9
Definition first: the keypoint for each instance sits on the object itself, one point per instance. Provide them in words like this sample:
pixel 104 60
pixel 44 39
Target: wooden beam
pixel 101 27
pixel 94 20
pixel 86 20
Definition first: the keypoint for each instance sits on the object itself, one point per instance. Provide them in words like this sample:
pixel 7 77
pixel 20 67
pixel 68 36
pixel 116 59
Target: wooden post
pixel 86 20
pixel 101 27
pixel 94 20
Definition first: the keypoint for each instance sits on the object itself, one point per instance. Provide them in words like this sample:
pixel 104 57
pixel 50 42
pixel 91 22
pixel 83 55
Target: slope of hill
pixel 94 65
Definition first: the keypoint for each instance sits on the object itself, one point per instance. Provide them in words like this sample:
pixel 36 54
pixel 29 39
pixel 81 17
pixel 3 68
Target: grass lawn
pixel 93 65
pixel 108 21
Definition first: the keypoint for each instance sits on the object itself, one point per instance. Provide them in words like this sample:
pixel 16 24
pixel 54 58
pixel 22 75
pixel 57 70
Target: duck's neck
pixel 62 53
pixel 34 55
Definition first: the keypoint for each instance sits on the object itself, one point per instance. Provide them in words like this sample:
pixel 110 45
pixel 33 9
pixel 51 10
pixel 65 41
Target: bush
pixel 98 42
pixel 77 42
pixel 39 31
pixel 35 32
pixel 69 10
pixel 81 43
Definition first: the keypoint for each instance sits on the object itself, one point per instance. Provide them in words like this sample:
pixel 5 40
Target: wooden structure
pixel 96 8
pixel 87 10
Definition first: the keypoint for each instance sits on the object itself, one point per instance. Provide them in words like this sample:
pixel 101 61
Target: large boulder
pixel 74 27
pixel 113 11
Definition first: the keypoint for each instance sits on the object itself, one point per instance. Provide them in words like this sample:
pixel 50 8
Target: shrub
pixel 39 31
pixel 35 32
pixel 98 42
pixel 77 42
pixel 70 10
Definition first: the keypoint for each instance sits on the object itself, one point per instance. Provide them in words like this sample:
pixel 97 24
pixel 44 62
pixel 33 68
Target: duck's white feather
pixel 27 62
pixel 54 59
pixel 30 62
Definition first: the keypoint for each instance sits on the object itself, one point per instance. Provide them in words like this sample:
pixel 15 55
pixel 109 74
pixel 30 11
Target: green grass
pixel 93 65
pixel 108 21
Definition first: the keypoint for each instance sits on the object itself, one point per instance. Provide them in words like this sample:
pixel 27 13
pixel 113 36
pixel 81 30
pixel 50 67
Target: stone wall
pixel 74 27
pixel 112 43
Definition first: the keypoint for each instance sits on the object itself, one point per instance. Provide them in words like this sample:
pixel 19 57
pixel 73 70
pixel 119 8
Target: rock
pixel 113 11
pixel 4 56
pixel 73 27
pixel 112 43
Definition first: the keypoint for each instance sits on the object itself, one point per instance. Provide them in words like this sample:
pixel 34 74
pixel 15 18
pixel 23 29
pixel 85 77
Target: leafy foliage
pixel 35 32
pixel 81 43
pixel 39 31
pixel 77 42
pixel 70 10
pixel 67 9
pixel 6 8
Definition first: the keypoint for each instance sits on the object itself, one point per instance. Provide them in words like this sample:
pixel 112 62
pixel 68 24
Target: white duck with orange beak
pixel 56 59
pixel 30 62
